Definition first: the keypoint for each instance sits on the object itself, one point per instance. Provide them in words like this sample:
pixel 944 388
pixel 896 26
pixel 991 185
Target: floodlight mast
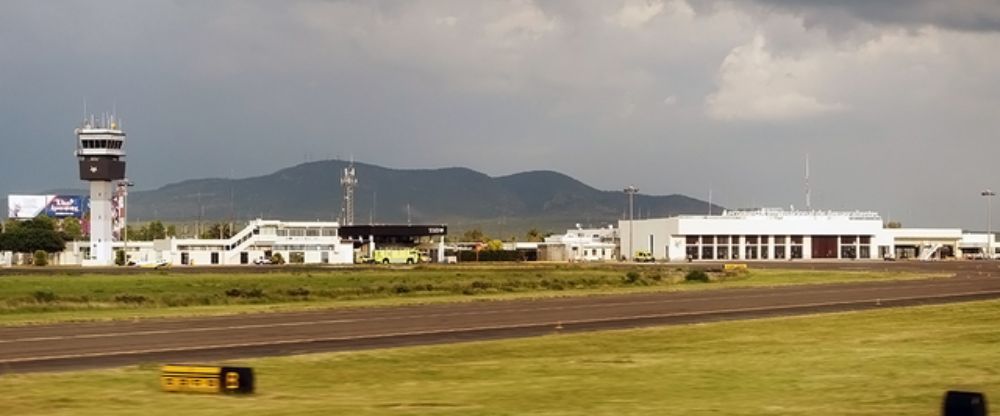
pixel 989 194
pixel 630 190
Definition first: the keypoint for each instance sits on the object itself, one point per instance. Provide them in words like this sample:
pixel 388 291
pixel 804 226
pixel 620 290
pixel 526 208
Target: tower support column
pixel 101 253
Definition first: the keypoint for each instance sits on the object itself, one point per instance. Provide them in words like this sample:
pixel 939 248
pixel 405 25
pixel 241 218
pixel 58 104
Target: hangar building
pixel 776 234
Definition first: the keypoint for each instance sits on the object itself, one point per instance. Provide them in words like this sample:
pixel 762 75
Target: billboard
pixel 55 206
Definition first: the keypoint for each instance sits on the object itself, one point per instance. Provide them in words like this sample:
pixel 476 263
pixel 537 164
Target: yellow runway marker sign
pixel 206 379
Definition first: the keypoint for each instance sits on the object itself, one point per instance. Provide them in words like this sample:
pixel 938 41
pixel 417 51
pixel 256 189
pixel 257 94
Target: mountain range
pixel 460 197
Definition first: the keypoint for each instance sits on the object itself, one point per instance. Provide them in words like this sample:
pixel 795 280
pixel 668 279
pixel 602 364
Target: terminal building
pixel 296 242
pixel 776 234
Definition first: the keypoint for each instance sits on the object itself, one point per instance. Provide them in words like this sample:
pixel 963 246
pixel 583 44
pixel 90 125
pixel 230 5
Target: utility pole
pixel 631 190
pixel 201 213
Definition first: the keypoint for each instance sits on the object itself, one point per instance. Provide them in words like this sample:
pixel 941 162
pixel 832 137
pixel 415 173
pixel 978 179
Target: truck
pixel 395 256
pixel 642 256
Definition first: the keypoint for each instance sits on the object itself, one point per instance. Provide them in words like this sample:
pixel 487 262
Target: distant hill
pixel 459 197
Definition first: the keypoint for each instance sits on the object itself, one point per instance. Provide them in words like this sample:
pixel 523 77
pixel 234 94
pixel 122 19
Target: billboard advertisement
pixel 55 206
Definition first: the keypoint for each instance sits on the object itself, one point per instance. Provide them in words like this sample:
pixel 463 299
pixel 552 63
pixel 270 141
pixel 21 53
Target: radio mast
pixel 348 181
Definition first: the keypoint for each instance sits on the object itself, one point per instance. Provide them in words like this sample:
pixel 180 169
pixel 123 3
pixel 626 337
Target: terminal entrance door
pixel 824 247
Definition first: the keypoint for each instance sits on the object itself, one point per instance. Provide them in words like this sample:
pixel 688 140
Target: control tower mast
pixel 349 180
pixel 100 149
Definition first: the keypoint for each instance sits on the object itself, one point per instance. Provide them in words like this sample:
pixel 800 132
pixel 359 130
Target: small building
pixel 581 244
pixel 366 238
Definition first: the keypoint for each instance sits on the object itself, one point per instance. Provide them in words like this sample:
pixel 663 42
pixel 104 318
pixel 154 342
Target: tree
pixel 155 231
pixel 41 258
pixel 72 230
pixel 151 231
pixel 218 231
pixel 535 236
pixel 474 234
pixel 11 224
pixel 40 222
pixel 134 234
pixel 171 230
pixel 494 245
pixel 33 235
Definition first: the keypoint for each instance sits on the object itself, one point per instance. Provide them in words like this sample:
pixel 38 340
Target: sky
pixel 895 102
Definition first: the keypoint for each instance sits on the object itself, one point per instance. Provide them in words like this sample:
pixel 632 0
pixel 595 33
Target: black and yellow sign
pixel 207 379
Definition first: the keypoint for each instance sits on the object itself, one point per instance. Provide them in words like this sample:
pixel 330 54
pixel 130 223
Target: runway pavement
pixel 75 346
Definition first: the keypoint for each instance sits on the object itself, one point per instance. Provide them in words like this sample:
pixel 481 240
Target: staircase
pixel 927 251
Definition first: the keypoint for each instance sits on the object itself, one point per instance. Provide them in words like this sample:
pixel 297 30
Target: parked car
pixel 262 261
pixel 153 264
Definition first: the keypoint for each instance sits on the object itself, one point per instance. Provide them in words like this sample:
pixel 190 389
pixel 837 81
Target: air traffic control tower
pixel 100 147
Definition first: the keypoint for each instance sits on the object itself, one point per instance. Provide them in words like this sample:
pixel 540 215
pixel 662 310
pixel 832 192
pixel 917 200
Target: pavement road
pixel 107 344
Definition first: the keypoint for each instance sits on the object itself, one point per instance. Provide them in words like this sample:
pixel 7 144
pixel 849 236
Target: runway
pixel 210 339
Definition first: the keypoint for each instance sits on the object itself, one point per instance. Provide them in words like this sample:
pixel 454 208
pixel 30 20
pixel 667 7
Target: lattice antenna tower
pixel 348 181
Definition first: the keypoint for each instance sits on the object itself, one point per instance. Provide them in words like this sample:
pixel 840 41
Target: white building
pixel 775 234
pixel 297 242
pixel 581 244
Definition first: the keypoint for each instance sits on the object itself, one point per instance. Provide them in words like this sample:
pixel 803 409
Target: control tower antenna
pixel 100 150
pixel 348 181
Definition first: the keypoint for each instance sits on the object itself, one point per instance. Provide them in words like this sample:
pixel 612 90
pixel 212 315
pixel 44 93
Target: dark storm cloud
pixel 967 15
pixel 671 95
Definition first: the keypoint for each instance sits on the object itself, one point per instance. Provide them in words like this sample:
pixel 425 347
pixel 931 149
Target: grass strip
pixel 888 362
pixel 39 299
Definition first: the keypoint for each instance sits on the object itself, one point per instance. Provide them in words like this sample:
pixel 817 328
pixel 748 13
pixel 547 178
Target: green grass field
pixel 888 362
pixel 62 297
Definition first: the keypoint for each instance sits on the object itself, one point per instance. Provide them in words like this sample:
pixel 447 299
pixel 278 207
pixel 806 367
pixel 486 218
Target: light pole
pixel 124 185
pixel 631 190
pixel 988 194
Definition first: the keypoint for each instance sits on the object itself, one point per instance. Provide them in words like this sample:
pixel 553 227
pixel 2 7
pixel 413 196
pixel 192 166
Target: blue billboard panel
pixel 65 206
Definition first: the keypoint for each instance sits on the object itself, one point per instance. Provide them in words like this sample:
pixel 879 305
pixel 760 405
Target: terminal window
pixel 796 252
pixel 692 253
pixel 779 252
pixel 723 253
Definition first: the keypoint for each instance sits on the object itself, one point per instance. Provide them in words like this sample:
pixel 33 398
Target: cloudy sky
pixel 897 102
